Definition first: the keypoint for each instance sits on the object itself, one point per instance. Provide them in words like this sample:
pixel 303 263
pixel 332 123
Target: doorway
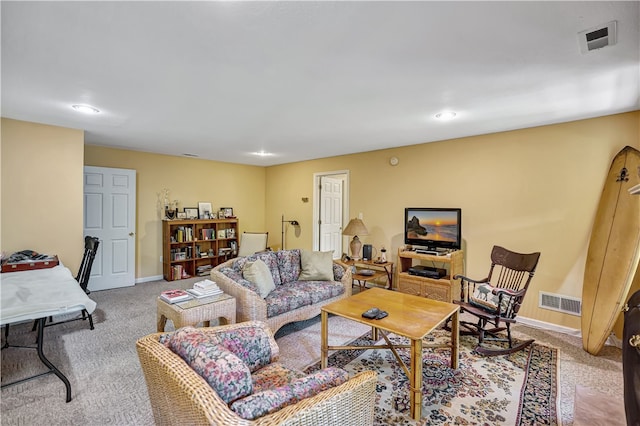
pixel 330 208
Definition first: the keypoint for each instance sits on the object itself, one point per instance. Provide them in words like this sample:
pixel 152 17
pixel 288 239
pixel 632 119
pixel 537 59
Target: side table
pixel 381 269
pixel 194 311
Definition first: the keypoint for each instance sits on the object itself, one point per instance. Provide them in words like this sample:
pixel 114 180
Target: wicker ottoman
pixel 195 311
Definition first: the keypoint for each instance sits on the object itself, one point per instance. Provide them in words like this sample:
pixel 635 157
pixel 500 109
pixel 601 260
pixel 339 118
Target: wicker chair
pixel 179 396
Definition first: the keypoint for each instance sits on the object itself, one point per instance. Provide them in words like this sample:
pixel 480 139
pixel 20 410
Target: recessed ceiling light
pixel 262 153
pixel 87 109
pixel 446 115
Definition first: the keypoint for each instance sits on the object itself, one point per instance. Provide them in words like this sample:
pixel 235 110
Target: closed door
pixel 331 215
pixel 109 215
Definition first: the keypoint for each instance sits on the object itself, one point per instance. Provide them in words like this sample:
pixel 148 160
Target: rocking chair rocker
pixel 496 300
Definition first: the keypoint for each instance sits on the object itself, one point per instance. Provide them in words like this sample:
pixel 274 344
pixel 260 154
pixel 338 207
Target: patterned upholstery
pixel 280 395
pixel 291 300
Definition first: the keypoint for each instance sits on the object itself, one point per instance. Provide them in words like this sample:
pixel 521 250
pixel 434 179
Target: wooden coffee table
pixel 413 317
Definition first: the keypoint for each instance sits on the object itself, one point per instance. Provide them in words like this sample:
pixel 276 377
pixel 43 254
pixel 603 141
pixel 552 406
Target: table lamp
pixel 355 227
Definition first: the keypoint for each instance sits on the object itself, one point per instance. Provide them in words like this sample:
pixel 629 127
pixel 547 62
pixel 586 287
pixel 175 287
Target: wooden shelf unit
pixel 445 289
pixel 196 244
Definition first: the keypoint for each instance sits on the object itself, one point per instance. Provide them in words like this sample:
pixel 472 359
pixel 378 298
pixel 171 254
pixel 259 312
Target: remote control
pixel 382 314
pixel 371 313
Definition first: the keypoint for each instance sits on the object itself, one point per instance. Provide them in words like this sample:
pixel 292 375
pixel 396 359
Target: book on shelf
pixel 173 296
pixel 177 272
pixel 208 234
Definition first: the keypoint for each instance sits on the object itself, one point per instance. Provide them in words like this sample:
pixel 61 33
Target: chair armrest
pixel 347 278
pixel 464 285
pixel 505 291
pixel 352 403
pixel 470 280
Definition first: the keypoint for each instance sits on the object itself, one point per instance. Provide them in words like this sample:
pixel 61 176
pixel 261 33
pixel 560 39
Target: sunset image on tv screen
pixel 436 226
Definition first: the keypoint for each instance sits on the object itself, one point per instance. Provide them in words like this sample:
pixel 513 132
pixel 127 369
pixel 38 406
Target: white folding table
pixel 36 295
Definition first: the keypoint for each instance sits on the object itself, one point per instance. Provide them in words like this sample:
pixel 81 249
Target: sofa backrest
pixel 268 257
pixel 289 265
pixel 285 267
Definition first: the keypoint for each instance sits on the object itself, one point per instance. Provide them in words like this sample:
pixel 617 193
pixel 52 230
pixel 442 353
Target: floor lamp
pixel 292 222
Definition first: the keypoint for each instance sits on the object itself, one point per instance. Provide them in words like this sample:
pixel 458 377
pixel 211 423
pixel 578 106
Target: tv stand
pixel 442 289
pixel 431 252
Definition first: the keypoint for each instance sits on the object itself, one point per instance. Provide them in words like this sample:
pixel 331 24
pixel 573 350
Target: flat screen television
pixel 433 228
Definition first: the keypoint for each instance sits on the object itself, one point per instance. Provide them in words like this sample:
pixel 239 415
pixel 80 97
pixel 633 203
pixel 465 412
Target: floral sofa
pixel 230 375
pixel 296 294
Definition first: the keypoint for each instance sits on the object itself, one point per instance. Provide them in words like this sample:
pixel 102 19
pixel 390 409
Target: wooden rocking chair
pixel 496 300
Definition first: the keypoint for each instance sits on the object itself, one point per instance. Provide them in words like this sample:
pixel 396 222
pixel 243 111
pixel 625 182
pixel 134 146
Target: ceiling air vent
pixel 598 37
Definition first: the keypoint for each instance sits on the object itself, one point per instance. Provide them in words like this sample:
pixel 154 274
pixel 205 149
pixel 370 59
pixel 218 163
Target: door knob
pixel 131 234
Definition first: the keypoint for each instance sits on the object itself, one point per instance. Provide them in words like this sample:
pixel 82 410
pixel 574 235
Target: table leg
pixel 415 381
pixel 162 322
pixel 46 362
pixel 455 339
pixel 389 277
pixel 324 339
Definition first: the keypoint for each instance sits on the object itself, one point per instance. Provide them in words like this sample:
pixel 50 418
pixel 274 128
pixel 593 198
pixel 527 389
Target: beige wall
pixel 42 190
pixel 189 181
pixel 529 190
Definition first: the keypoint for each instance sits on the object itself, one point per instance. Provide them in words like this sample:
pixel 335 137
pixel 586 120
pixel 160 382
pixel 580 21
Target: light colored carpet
pixel 108 386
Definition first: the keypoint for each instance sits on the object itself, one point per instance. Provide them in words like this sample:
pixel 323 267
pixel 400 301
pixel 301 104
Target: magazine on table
pixel 173 296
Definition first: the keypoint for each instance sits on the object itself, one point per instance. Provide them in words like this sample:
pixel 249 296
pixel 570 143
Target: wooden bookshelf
pixel 192 247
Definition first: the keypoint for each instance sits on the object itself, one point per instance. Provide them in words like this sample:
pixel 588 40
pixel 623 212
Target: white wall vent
pixel 557 302
pixel 597 37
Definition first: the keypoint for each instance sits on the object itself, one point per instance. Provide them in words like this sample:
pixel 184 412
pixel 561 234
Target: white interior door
pixel 331 194
pixel 110 215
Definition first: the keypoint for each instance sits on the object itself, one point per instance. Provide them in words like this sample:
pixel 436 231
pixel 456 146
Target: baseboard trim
pixel 147 279
pixel 548 326
pixel 530 322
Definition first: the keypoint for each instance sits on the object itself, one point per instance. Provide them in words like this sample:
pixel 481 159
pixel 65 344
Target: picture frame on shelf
pixel 228 212
pixel 204 210
pixel 222 233
pixel 231 233
pixel 191 212
pixel 221 213
pixel 182 215
pixel 214 215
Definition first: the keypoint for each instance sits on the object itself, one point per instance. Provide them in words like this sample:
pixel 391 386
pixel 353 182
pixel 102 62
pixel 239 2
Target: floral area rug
pixel 516 389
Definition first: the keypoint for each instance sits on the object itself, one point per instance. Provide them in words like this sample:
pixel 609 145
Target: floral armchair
pixel 230 375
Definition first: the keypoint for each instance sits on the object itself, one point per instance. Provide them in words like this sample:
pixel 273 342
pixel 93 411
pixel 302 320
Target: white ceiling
pixel 306 80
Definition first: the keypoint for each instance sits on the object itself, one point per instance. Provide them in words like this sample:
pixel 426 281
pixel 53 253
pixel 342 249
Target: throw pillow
pixel 269 401
pixel 258 273
pixel 484 298
pixel 227 374
pixel 316 266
